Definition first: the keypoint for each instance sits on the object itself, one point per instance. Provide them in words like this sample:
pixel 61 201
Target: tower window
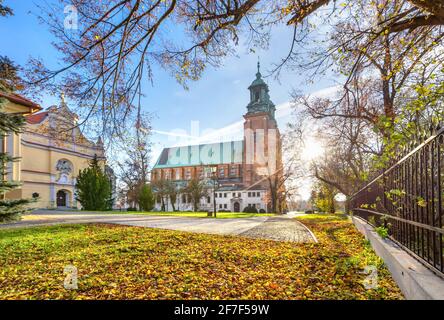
pixel 256 96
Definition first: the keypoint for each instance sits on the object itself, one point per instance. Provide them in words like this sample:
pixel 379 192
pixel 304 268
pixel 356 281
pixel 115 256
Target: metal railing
pixel 407 200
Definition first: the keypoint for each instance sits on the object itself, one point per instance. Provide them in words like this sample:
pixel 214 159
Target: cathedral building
pixel 52 150
pixel 239 174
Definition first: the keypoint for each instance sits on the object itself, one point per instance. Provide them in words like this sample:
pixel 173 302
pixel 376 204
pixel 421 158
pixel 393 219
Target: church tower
pixel 262 145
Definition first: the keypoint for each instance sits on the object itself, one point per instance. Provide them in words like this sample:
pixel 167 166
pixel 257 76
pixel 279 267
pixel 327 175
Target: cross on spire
pixel 258 74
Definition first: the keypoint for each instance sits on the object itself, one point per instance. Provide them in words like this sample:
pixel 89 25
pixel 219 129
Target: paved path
pixel 275 228
pixel 281 229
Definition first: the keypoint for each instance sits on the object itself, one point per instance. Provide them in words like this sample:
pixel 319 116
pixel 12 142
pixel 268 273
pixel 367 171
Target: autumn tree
pixel 132 153
pixel 196 189
pixel 115 43
pixel 161 188
pixel 389 94
pixel 166 190
pixel 5 10
pixel 172 192
pixel 324 197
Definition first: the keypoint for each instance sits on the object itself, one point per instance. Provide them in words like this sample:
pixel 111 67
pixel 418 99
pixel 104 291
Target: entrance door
pixel 236 207
pixel 61 198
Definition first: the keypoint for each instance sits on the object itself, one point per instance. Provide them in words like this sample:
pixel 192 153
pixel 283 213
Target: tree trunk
pixel 162 208
pixel 347 205
pixel 172 203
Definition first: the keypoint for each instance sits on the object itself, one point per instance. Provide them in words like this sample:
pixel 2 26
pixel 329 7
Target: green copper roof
pixel 259 97
pixel 204 154
pixel 258 81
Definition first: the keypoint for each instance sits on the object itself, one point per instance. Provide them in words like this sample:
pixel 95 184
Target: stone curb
pixel 415 280
pixel 311 233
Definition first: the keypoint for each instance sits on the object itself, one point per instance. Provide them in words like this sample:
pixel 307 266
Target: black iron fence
pixel 406 201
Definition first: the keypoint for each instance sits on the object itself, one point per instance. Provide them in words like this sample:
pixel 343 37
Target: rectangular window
pixel 208 200
pixel 215 195
pixel 201 173
pixel 225 206
pixel 258 194
pixel 249 194
pixel 222 172
pixel 234 194
pixel 188 174
pixel 220 195
pixel 225 195
pixel 233 171
pixel 177 174
pixel 220 206
pixel 239 194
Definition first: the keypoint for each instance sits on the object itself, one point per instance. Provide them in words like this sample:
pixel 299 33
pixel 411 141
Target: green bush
pixel 382 231
pixel 250 209
pixel 94 191
pixel 146 198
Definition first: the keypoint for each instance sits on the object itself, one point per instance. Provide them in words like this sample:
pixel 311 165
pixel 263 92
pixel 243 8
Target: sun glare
pixel 312 150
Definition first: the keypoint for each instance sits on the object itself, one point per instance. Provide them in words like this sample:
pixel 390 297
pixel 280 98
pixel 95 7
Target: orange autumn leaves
pixel 116 262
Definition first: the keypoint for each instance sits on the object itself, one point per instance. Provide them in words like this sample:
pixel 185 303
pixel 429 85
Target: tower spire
pixel 258 74
pixel 62 97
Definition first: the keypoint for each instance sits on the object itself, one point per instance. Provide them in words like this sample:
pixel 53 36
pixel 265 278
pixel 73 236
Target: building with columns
pixel 241 173
pixel 52 150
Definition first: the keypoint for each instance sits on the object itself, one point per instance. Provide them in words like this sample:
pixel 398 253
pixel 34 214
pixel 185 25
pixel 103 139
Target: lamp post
pixel 214 177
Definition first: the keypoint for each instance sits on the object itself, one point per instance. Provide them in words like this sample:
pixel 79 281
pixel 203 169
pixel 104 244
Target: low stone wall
pixel 414 279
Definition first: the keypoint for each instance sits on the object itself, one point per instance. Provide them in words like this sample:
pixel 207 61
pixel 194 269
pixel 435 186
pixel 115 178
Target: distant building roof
pixel 204 154
pixel 16 98
pixel 37 117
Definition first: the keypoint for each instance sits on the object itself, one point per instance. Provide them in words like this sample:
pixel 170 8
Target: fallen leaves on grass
pixel 116 262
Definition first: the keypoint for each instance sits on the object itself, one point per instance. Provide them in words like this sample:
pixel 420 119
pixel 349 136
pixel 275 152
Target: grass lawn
pixel 219 215
pixel 118 262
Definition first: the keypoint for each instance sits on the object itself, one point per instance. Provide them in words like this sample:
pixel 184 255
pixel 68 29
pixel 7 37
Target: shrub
pixel 262 211
pixel 94 191
pixel 146 198
pixel 382 231
pixel 250 209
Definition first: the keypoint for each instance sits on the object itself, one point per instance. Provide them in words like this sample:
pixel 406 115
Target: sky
pixel 212 108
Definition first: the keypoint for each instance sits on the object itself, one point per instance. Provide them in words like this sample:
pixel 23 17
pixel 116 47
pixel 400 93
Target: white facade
pixel 233 201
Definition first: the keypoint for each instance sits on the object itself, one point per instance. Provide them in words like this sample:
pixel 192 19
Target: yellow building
pixel 11 144
pixel 52 150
